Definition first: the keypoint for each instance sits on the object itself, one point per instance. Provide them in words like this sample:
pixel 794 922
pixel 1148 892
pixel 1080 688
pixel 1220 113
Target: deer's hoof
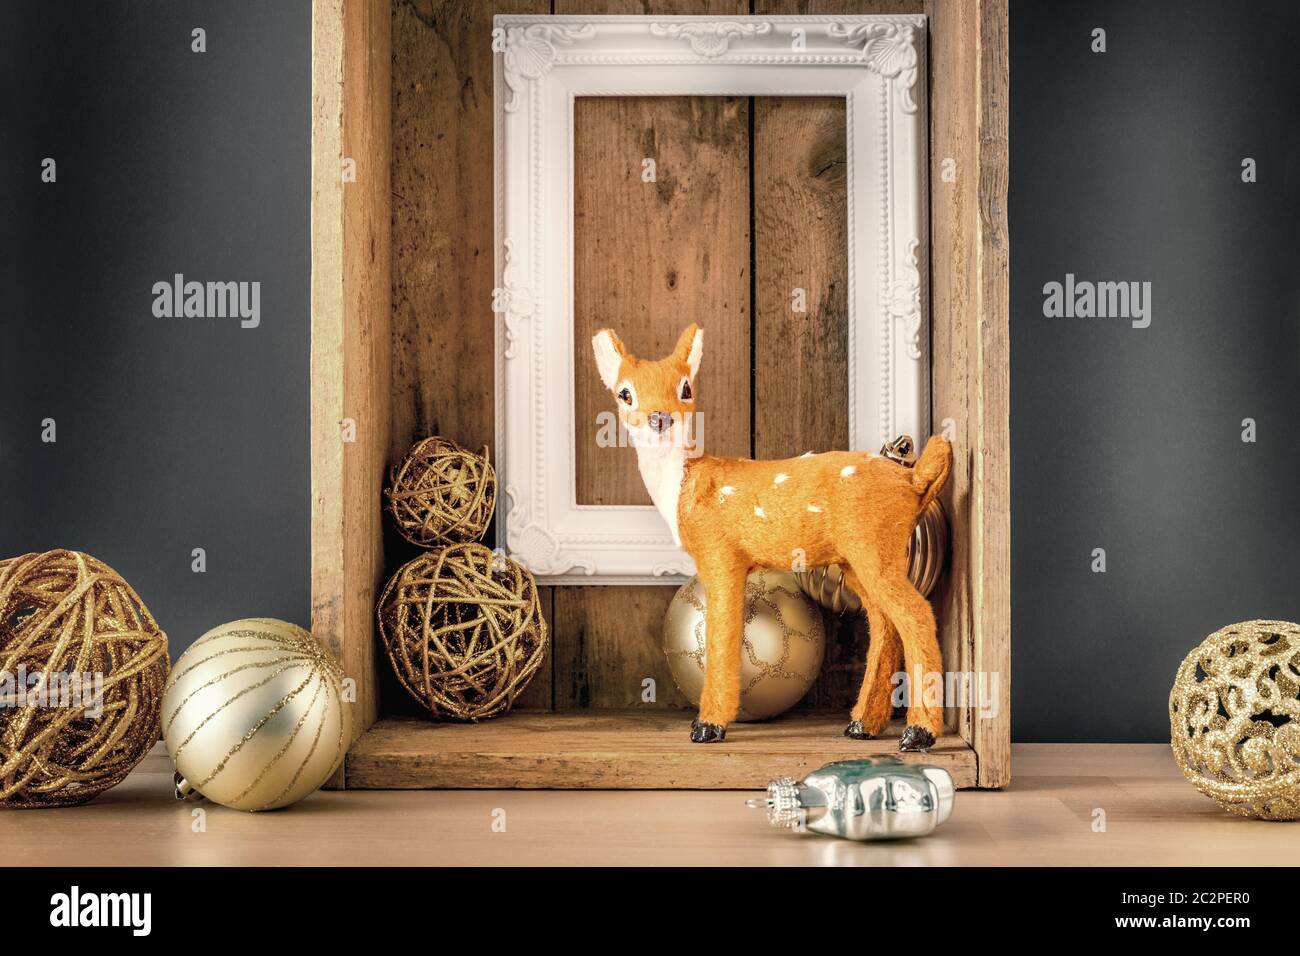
pixel 703 732
pixel 857 731
pixel 915 738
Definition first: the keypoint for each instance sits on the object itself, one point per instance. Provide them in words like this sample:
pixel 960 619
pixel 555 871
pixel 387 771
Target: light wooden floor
pixel 1152 817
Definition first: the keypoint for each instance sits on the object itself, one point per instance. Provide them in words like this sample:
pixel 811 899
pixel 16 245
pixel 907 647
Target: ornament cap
pixel 784 808
pixel 184 789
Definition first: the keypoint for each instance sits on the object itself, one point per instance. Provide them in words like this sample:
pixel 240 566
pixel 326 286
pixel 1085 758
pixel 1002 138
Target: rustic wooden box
pixel 402 344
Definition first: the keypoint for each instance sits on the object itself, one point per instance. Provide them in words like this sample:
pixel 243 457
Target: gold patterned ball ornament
pixel 254 716
pixel 464 630
pixel 1234 719
pixel 784 642
pixel 927 552
pixel 441 493
pixel 82 666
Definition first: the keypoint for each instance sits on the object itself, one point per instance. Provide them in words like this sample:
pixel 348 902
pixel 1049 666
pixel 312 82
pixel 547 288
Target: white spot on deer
pixel 725 491
pixel 780 478
pixel 806 454
pixel 848 471
pixel 814 509
pixel 759 512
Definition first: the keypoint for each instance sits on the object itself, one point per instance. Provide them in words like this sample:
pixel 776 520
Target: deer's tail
pixel 931 471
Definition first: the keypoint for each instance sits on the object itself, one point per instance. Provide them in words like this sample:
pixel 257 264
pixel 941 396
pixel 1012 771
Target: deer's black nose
pixel 661 421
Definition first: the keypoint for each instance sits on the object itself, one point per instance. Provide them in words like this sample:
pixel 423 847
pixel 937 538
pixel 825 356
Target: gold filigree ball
pixel 1234 719
pixel 784 642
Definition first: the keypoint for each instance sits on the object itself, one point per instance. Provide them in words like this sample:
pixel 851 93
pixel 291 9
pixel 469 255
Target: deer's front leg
pixel 724 589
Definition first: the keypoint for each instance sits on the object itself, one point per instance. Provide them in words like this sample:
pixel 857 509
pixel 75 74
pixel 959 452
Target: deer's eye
pixel 625 396
pixel 686 390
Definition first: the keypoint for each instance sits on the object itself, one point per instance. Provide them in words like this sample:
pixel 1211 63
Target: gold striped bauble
pixel 253 715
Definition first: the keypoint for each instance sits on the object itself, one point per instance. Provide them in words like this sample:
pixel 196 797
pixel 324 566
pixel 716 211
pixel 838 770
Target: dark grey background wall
pixel 1126 166
pixel 172 434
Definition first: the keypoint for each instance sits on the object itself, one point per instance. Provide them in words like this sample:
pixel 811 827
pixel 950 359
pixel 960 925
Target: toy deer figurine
pixel 733 515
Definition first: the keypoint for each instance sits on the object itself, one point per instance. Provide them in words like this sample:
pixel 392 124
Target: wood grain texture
pixel 613 750
pixel 837 7
pixel 953 266
pixel 610 644
pixel 991 568
pixel 351 376
pixel 800 243
pixel 443 197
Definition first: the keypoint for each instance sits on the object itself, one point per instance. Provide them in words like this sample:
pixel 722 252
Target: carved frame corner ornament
pixel 543 64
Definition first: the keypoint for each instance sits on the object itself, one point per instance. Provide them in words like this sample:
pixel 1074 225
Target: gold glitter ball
pixel 1234 719
pixel 781 654
pixel 82 665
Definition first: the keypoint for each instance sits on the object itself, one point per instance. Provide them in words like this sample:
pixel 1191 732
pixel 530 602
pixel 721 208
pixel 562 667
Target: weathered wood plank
pixel 642 750
pixel 609 645
pixel 991 568
pixel 953 267
pixel 350 346
pixel 443 196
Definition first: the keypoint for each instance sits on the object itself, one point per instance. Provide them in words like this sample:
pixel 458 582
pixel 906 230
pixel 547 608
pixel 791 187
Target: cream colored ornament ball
pixel 1234 719
pixel 254 716
pixel 785 640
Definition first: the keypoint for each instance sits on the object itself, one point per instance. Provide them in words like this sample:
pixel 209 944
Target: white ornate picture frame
pixel 543 64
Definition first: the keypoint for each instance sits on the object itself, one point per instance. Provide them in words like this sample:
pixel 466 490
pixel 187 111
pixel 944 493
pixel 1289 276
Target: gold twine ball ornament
pixel 254 716
pixel 927 551
pixel 784 642
pixel 82 666
pixel 1234 719
pixel 464 630
pixel 441 493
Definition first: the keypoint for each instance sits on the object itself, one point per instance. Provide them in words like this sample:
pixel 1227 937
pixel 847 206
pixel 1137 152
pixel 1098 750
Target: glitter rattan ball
pixel 441 493
pixel 464 630
pixel 82 666
pixel 1234 719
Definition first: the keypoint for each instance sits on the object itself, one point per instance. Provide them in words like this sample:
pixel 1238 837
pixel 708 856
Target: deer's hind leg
pixel 911 615
pixel 870 715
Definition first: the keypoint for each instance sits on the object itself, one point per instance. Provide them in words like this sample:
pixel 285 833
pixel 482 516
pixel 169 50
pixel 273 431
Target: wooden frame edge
pixel 350 350
pixel 991 489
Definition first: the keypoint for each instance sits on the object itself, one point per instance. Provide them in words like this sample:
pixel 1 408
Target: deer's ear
pixel 609 354
pixel 690 348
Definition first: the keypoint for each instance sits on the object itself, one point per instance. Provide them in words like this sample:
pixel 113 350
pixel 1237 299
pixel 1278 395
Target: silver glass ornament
pixel 875 798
